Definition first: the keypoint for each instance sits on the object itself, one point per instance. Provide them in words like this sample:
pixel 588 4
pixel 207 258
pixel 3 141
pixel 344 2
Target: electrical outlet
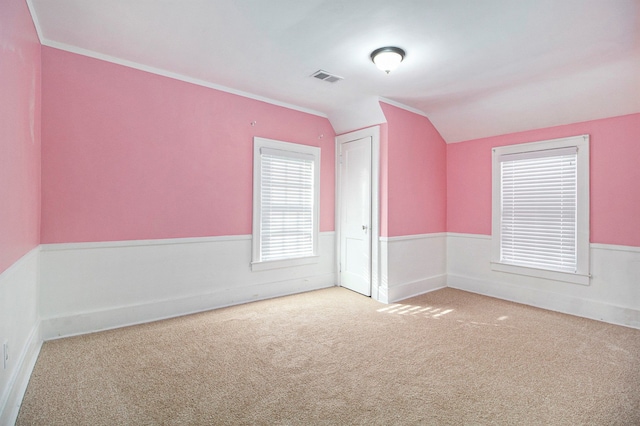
pixel 5 354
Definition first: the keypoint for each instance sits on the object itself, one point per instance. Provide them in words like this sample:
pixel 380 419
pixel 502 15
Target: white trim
pixel 284 263
pixel 175 76
pixel 600 246
pixel 412 237
pixel 36 21
pixel 403 106
pixel 583 206
pixel 612 295
pixel 374 134
pixel 462 235
pixel 137 243
pixel 412 265
pixel 557 302
pixel 596 246
pixel 18 264
pixel 10 405
pixel 542 273
pixel 90 289
pixel 79 323
pixel 415 288
pixel 314 153
pixel 19 285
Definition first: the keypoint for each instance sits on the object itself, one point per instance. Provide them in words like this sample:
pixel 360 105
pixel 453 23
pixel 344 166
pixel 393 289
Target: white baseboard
pixel 123 316
pixel 20 328
pixel 415 288
pixel 546 300
pixel 18 386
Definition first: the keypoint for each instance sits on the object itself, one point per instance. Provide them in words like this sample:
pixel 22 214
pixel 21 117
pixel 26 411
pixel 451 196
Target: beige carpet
pixel 335 357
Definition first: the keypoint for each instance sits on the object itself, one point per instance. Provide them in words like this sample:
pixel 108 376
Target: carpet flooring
pixel 333 357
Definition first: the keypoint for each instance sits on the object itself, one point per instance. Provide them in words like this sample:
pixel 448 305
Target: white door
pixel 355 215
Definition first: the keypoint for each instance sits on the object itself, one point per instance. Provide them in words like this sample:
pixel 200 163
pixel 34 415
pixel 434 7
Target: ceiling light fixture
pixel 387 58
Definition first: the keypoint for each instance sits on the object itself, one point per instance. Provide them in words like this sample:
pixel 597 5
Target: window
pixel 286 190
pixel 541 209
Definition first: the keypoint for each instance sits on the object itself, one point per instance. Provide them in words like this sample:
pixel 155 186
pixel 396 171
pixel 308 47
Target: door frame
pixel 374 134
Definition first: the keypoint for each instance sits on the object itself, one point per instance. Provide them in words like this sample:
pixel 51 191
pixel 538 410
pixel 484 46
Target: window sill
pixel 581 279
pixel 284 263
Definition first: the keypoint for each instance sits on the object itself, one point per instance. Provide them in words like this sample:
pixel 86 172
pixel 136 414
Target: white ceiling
pixel 475 68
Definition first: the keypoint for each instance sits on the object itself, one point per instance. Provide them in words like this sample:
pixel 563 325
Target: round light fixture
pixel 387 58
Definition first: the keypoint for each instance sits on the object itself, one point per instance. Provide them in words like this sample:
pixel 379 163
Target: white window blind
pixel 539 209
pixel 286 204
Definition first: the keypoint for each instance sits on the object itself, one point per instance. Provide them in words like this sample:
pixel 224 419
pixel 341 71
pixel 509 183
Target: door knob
pixel 364 227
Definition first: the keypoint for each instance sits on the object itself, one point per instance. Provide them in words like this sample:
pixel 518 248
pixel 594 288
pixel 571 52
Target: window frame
pixel 581 276
pixel 294 149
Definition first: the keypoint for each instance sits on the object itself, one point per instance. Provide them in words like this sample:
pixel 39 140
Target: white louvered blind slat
pixel 539 210
pixel 287 205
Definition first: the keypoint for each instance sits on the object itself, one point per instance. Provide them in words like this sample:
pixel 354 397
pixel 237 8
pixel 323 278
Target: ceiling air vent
pixel 325 76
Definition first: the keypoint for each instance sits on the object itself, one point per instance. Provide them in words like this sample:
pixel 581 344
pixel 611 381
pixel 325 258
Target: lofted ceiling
pixel 474 68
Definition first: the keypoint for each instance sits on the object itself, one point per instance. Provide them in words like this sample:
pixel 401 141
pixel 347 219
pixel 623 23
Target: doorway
pixel 357 210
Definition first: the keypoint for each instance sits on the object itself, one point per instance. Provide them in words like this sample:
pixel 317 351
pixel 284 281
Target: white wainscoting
pixel 20 328
pixel 411 265
pixel 613 294
pixel 87 287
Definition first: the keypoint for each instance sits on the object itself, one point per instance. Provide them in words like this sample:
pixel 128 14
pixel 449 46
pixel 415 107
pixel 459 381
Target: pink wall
pixel 20 70
pixel 384 180
pixel 413 175
pixel 615 178
pixel 132 155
